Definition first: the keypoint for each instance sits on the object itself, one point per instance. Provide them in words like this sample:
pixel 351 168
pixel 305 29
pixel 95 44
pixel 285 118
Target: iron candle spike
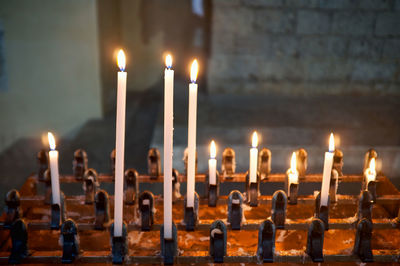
pixel 218 241
pixel 79 164
pixel 58 213
pixel 47 190
pixel 338 161
pixel 266 241
pixel 176 185
pixel 43 163
pixel 132 186
pixel 19 241
pixel 228 166
pixel 264 163
pixel 112 161
pixel 90 185
pixel 301 162
pixel 322 212
pixel 12 209
pixel 154 163
pixel 278 211
pixel 235 209
pixel 191 214
pixel 70 243
pixel 253 190
pixel 371 153
pixel 212 191
pixel 362 244
pixel 365 204
pixel 146 208
pixel 315 240
pixel 185 160
pixel 333 186
pixel 119 245
pixel 169 247
pixel 102 209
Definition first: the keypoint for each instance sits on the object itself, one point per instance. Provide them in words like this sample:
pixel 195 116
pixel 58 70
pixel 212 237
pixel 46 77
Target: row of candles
pixel 292 173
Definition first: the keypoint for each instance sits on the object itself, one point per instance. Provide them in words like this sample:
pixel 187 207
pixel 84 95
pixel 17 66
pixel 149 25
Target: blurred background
pixel 292 70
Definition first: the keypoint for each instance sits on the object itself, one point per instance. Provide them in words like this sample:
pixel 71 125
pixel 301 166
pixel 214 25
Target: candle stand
pixel 222 228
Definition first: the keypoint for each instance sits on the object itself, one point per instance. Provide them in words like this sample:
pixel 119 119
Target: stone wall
pixel 305 47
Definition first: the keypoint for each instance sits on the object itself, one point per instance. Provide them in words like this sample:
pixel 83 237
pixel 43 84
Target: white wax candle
pixel 293 174
pixel 191 168
pixel 326 176
pixel 168 145
pixel 370 172
pixel 253 159
pixel 120 146
pixel 212 165
pixel 55 177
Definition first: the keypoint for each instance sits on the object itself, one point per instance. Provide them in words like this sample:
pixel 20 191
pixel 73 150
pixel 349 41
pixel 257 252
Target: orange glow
pixel 213 150
pixel 121 60
pixel 52 141
pixel 254 140
pixel 194 71
pixel 331 143
pixel 168 61
pixel 372 166
pixel 293 163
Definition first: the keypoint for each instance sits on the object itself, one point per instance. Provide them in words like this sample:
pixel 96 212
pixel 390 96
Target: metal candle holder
pixel 176 185
pixel 119 245
pixel 301 162
pixel 191 214
pixel 228 166
pixel 19 240
pixel 315 240
pixel 90 185
pixel 253 190
pixel 102 209
pixel 131 186
pixel 333 185
pixel 264 163
pixel 338 161
pixel 362 244
pixel 47 192
pixel 266 241
pixel 235 209
pixel 58 213
pixel 322 212
pixel 154 163
pixel 43 163
pixel 212 191
pixel 79 164
pixel 185 161
pixel 70 243
pixel 365 205
pixel 146 209
pixel 169 247
pixel 278 211
pixel 218 241
pixel 112 163
pixel 371 153
pixel 292 189
pixel 12 209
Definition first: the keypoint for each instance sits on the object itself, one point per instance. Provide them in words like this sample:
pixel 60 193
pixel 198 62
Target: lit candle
pixel 168 144
pixel 370 172
pixel 55 177
pixel 326 176
pixel 293 174
pixel 212 164
pixel 191 169
pixel 120 146
pixel 253 159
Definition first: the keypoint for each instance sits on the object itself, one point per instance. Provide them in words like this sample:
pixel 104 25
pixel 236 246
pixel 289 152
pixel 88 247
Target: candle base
pixel 79 164
pixel 102 210
pixel 90 185
pixel 235 209
pixel 322 212
pixel 266 241
pixel 301 162
pixel 176 186
pixel 333 186
pixel 372 189
pixel 132 186
pixel 70 241
pixel 278 211
pixel 212 191
pixel 264 163
pixel 253 190
pixel 362 244
pixel 154 163
pixel 218 243
pixel 146 208
pixel 365 206
pixel 119 245
pixel 58 213
pixel 19 240
pixel 315 240
pixel 338 161
pixel 228 166
pixel 12 210
pixel 191 213
pixel 293 193
pixel 169 247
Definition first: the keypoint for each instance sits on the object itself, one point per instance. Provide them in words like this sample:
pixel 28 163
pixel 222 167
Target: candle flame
pixel 121 60
pixel 331 143
pixel 372 166
pixel 193 71
pixel 168 61
pixel 213 150
pixel 52 141
pixel 293 163
pixel 254 140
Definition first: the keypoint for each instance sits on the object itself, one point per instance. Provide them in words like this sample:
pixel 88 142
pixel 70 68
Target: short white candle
pixel 293 174
pixel 253 159
pixel 55 177
pixel 191 168
pixel 326 176
pixel 370 172
pixel 120 146
pixel 168 144
pixel 212 164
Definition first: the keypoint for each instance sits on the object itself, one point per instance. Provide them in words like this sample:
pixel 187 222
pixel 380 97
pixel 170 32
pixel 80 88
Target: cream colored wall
pixel 52 63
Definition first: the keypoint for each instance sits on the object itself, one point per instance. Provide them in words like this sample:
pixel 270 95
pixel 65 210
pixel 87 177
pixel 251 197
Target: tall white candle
pixel 191 168
pixel 293 174
pixel 212 164
pixel 168 144
pixel 326 176
pixel 120 146
pixel 370 172
pixel 253 159
pixel 55 177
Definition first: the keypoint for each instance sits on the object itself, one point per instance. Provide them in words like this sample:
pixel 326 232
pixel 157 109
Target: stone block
pixel 313 22
pixel 338 4
pixel 354 23
pixel 376 4
pixel 231 19
pixel 275 21
pixel 322 46
pixel 263 3
pixel 302 3
pixel 367 48
pixel 391 49
pixel 365 70
pixel 388 24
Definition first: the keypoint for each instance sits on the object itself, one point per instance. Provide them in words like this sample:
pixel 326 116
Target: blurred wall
pixel 305 47
pixel 52 67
